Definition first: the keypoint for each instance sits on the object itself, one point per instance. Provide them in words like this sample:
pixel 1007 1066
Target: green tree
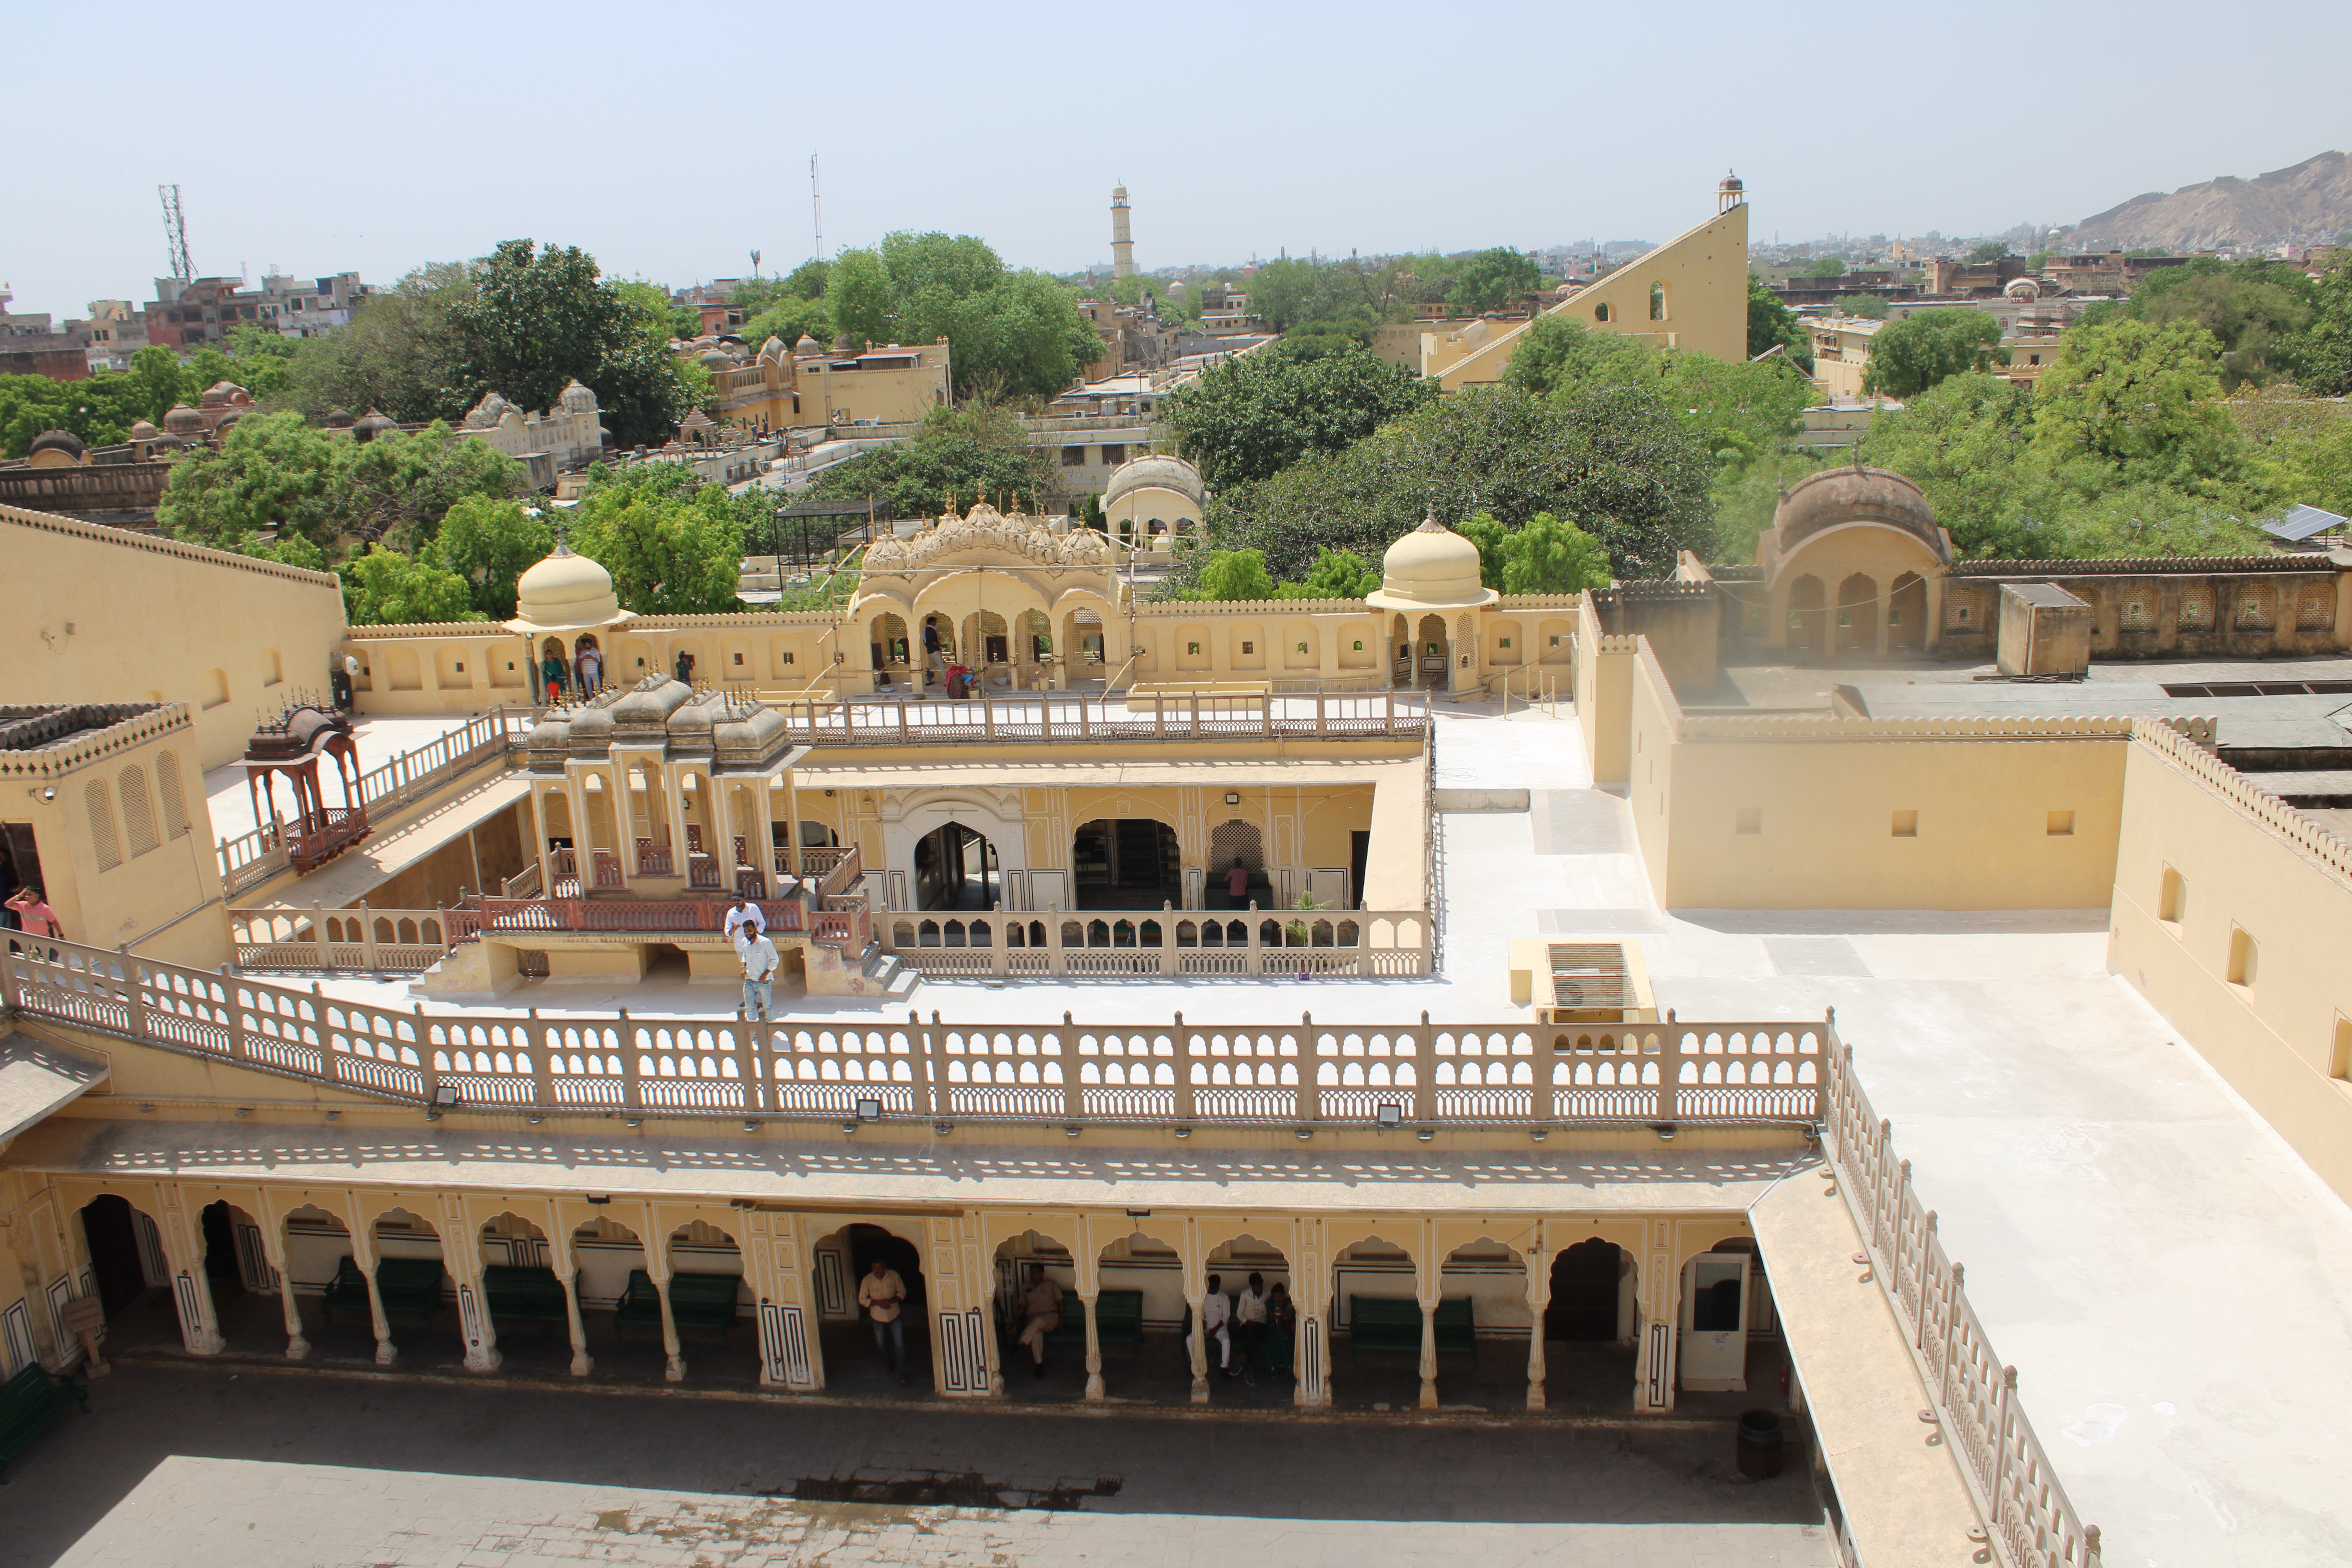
pixel 1233 574
pixel 536 320
pixel 1490 281
pixel 385 587
pixel 674 546
pixel 292 551
pixel 976 452
pixel 857 296
pixel 1829 267
pixel 1915 353
pixel 1989 250
pixel 1560 350
pixel 397 355
pixel 2322 351
pixel 400 485
pixel 2256 310
pixel 1771 323
pixel 1009 333
pixel 1294 291
pixel 272 472
pixel 1611 455
pixel 1868 306
pixel 2143 399
pixel 490 543
pixel 789 320
pixel 1255 414
pixel 1336 575
pixel 1551 556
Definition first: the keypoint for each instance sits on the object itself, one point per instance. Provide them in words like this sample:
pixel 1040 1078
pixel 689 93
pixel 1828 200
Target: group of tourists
pixel 747 932
pixel 1238 1324
pixel 584 674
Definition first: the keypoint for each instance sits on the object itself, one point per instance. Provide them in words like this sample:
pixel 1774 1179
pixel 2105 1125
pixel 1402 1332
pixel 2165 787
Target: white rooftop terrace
pixel 2167 1275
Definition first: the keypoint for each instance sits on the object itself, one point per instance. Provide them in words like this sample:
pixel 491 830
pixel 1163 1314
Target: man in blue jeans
pixel 881 1294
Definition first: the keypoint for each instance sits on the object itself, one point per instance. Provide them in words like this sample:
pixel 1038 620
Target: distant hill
pixel 2310 204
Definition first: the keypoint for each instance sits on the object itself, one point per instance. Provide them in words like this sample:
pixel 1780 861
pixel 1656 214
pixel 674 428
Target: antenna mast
pixel 176 235
pixel 816 207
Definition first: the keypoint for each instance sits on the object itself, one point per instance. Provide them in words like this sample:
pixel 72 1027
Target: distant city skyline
pixel 433 143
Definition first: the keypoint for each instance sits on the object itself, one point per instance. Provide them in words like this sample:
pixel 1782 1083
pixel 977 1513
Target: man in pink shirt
pixel 33 913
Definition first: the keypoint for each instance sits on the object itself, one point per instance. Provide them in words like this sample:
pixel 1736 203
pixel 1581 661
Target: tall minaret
pixel 1122 244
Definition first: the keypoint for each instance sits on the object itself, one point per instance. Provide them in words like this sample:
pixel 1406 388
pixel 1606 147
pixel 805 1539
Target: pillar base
pixel 582 1364
pixel 297 1348
pixel 1200 1390
pixel 1429 1393
pixel 207 1343
pixel 676 1371
pixel 483 1361
pixel 386 1353
pixel 1535 1396
pixel 1094 1385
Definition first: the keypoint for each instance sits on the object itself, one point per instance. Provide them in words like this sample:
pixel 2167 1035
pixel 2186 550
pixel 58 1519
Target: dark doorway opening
pixel 1583 1303
pixel 868 1242
pixel 1127 863
pixel 956 869
pixel 107 1224
pixel 1360 857
pixel 220 1251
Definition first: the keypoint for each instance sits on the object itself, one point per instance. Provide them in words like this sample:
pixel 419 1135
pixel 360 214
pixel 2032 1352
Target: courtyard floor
pixel 206 1467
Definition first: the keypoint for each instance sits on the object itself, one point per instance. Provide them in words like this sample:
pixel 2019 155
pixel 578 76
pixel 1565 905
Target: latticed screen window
pixel 2318 611
pixel 2255 611
pixel 2197 610
pixel 103 843
pixel 138 811
pixel 2139 615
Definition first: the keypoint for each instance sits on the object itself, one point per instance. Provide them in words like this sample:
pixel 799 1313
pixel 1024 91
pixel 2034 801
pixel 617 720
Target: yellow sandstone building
pixel 1518 982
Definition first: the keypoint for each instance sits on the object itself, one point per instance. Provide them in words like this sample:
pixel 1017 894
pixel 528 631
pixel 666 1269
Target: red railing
pixel 345 825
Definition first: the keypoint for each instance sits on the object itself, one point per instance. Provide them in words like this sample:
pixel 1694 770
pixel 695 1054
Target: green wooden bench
pixel 1393 1324
pixel 1119 1320
pixel 410 1285
pixel 346 1292
pixel 696 1301
pixel 406 1285
pixel 519 1293
pixel 28 1403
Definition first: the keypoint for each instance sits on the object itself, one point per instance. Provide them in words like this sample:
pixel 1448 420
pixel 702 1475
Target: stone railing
pixel 1303 1075
pixel 252 859
pixel 1166 717
pixel 2002 1462
pixel 377 942
pixel 1340 944
pixel 2244 792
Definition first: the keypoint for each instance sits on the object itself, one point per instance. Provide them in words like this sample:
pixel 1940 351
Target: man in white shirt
pixel 1217 1323
pixel 745 920
pixel 1249 1324
pixel 760 960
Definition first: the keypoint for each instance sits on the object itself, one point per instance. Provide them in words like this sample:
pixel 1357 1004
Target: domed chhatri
pixel 565 593
pixel 1432 568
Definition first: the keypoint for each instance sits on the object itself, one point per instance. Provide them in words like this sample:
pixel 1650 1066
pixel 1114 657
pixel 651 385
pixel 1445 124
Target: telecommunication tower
pixel 816 207
pixel 176 235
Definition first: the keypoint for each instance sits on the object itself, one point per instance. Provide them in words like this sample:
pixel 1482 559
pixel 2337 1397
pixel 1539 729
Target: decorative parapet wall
pixel 124 538
pixel 121 726
pixel 2185 751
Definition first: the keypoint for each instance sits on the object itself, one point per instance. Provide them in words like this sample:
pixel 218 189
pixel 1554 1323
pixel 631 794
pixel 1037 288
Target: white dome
pixel 1431 568
pixel 565 593
pixel 1155 470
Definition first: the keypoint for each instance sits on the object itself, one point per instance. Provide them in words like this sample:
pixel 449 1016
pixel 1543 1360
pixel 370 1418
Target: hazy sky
pixel 670 143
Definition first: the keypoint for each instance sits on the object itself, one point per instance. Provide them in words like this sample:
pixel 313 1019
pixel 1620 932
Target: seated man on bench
pixel 1041 1315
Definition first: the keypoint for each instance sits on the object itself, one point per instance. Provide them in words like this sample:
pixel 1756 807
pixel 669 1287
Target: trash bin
pixel 1761 1441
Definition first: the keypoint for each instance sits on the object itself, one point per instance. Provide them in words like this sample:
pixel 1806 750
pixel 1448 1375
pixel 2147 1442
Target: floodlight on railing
pixel 1389 1116
pixel 869 1111
pixel 445 1097
pixel 1664 1130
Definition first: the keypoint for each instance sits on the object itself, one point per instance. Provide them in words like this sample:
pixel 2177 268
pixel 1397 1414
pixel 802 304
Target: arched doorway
pixel 854 1363
pixel 125 1264
pixel 1126 863
pixel 705 1299
pixel 888 647
pixel 1051 1366
pixel 1431 652
pixel 1263 1369
pixel 938 649
pixel 1808 618
pixel 1906 612
pixel 1228 842
pixel 956 869
pixel 1584 1293
pixel 1857 614
pixel 1589 1327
